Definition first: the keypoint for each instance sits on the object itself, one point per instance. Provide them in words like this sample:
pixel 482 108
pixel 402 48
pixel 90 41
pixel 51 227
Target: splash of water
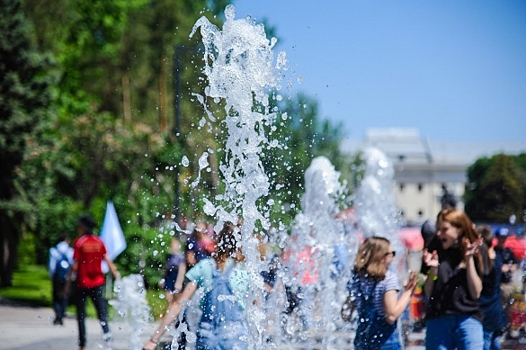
pixel 319 234
pixel 132 306
pixel 240 68
pixel 376 208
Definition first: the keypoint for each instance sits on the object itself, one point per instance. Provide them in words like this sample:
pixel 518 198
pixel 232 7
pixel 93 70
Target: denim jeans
pixel 492 341
pixel 60 302
pixel 95 294
pixel 394 342
pixel 454 331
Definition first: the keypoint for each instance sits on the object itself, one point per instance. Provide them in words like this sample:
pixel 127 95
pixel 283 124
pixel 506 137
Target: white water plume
pixel 240 68
pixel 132 306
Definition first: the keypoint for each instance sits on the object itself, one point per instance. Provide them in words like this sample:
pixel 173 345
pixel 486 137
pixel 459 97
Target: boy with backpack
pixel 60 261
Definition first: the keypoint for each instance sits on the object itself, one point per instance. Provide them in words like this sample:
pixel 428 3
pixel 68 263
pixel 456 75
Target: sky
pixel 455 70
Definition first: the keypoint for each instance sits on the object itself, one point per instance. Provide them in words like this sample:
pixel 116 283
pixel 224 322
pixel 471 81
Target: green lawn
pixel 31 285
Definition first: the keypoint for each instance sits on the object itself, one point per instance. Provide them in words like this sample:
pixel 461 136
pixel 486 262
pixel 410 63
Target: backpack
pixel 222 324
pixel 373 330
pixel 62 267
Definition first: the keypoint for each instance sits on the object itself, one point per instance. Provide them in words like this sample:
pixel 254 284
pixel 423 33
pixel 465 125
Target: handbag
pixel 348 308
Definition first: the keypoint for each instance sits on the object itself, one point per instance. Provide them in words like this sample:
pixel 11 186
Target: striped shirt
pixel 359 284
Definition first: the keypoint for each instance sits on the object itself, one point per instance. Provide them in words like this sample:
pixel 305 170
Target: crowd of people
pixel 466 268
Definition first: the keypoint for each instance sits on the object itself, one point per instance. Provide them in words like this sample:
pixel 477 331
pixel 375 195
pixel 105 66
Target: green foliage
pixel 496 188
pixel 116 58
pixel 25 98
pixel 27 250
pixel 96 158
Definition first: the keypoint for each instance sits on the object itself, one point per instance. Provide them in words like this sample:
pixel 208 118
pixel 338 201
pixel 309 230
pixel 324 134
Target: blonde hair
pixel 370 258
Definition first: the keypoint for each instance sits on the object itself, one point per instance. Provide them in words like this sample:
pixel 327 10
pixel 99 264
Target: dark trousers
pixel 95 295
pixel 60 302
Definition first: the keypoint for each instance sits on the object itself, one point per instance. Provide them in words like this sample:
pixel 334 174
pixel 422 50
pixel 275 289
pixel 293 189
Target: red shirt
pixel 89 252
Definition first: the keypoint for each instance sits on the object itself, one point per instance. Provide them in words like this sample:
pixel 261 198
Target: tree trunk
pixel 163 124
pixel 8 250
pixel 126 98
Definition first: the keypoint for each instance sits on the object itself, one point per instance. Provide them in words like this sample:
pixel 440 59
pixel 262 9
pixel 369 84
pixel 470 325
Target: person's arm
pixel 51 263
pixel 474 281
pixel 171 314
pixel 73 270
pixel 395 306
pixel 180 277
pixel 431 260
pixel 112 266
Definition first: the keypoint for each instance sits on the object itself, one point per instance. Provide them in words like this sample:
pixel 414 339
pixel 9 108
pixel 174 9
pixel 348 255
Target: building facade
pixel 427 173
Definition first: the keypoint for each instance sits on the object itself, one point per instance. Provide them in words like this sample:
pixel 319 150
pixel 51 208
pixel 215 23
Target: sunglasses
pixel 393 253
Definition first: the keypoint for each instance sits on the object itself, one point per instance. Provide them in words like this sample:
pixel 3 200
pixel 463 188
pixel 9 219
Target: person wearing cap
pixel 509 265
pixel 89 252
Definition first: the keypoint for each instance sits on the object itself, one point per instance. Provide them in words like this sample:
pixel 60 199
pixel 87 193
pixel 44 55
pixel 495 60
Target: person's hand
pixel 431 259
pixel 178 287
pixel 149 345
pixel 471 248
pixel 161 283
pixel 66 289
pixel 412 282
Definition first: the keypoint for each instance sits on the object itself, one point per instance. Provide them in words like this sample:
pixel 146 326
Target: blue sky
pixel 456 70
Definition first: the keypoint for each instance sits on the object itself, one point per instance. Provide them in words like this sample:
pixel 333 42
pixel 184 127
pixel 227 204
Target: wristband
pixel 155 342
pixel 434 278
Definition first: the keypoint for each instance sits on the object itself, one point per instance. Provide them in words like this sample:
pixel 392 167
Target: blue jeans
pixel 60 302
pixel 492 341
pixel 394 342
pixel 454 331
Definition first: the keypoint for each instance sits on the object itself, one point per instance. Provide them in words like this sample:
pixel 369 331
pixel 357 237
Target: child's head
pixel 373 258
pixel 175 245
pixel 226 242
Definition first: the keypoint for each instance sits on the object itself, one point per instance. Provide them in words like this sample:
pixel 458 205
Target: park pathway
pixel 30 328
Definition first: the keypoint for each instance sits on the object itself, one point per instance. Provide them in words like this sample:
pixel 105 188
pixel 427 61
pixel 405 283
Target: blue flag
pixel 111 234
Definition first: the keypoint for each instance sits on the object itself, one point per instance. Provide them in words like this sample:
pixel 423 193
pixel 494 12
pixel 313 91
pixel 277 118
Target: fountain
pixel 375 204
pixel 317 235
pixel 130 303
pixel 241 70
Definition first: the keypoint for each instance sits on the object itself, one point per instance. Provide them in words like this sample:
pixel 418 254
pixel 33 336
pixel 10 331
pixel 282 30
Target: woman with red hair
pixel 453 286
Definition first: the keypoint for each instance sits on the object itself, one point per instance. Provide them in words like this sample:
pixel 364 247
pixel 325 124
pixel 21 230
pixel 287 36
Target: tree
pixel 495 189
pixel 25 96
pixel 95 158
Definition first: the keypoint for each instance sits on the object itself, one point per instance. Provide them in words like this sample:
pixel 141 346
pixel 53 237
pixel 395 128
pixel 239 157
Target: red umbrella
pixel 517 246
pixel 411 237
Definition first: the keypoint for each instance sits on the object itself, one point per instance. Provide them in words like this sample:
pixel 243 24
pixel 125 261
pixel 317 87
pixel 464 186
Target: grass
pixel 32 286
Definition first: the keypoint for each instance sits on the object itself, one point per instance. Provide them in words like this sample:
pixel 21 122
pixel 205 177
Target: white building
pixel 423 169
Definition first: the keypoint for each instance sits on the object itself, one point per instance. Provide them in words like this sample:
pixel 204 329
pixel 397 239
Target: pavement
pixel 24 327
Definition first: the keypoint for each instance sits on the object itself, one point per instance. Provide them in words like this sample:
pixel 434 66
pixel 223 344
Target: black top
pixel 450 295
